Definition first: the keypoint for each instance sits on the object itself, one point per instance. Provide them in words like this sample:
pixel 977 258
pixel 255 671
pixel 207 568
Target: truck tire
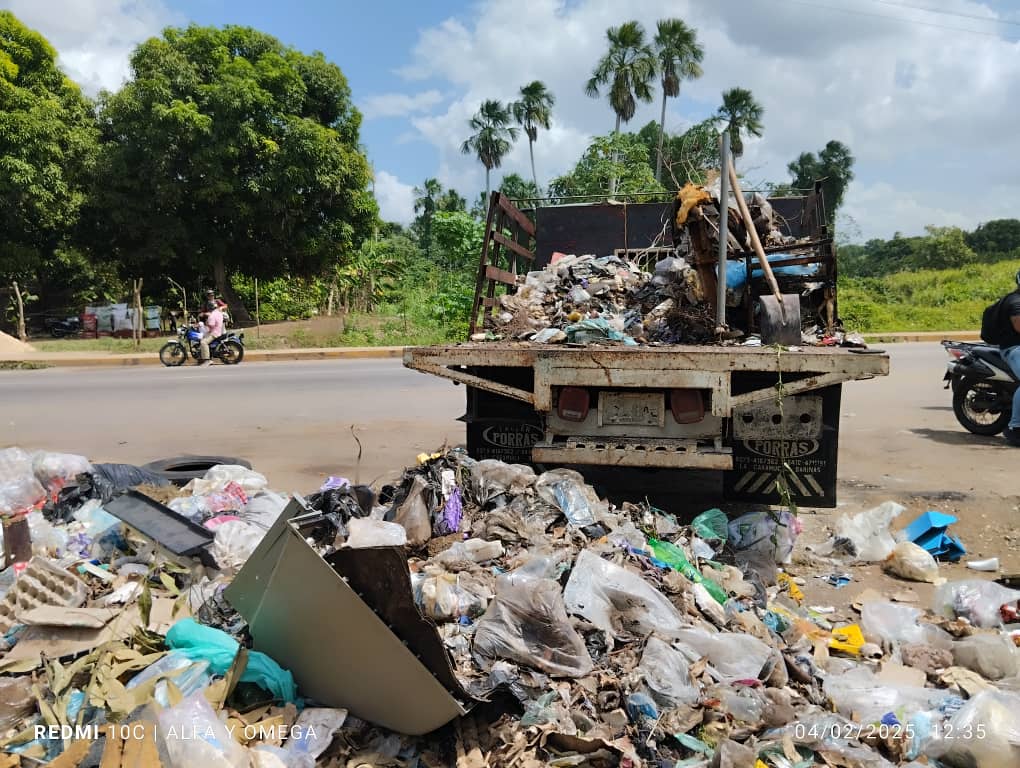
pixel 180 470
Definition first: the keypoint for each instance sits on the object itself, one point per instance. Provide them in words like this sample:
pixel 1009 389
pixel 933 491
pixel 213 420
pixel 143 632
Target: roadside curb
pixel 920 336
pixel 76 360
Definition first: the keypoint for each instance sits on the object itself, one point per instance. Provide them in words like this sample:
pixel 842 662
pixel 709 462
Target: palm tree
pixel 425 198
pixel 743 116
pixel 680 56
pixel 628 68
pixel 532 112
pixel 492 138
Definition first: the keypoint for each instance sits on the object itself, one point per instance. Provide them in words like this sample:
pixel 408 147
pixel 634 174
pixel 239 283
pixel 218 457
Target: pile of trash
pixel 585 299
pixel 473 614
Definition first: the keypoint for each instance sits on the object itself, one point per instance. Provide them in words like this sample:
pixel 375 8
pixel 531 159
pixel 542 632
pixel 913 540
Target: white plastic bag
pixel 618 601
pixel 984 733
pixel 235 542
pixel 667 674
pixel 55 470
pixel 413 514
pixel 976 600
pixel 885 622
pixel 769 533
pixel 447 596
pixel 866 536
pixel 313 732
pixel 366 532
pixel 264 509
pixel 463 554
pixel 195 736
pixel 216 479
pixel 19 489
pixel 734 656
pixel 491 478
pixel 859 691
pixel 913 562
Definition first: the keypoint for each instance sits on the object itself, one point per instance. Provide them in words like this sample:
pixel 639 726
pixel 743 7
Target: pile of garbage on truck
pixel 579 633
pixel 584 299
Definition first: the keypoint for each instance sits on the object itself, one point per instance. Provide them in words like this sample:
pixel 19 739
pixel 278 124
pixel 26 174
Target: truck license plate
pixel 631 409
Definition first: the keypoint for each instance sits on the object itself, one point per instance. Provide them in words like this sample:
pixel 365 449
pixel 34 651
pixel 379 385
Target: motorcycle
pixel 983 386
pixel 228 348
pixel 69 326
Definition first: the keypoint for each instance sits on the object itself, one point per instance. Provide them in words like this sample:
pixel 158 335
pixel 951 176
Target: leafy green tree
pixel 425 202
pixel 742 115
pixel 531 112
pixel 943 248
pixel 451 202
pixel 833 166
pixel 47 150
pixel 628 68
pixel 619 156
pixel 999 236
pixel 228 151
pixel 680 55
pixel 687 157
pixel 492 138
pixel 458 240
pixel 516 187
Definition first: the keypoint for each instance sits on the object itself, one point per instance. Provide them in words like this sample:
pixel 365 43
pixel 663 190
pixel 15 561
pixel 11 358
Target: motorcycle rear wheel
pixel 173 354
pixel 231 353
pixel 978 422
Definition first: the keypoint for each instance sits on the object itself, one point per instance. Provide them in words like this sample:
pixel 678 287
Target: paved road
pixel 292 420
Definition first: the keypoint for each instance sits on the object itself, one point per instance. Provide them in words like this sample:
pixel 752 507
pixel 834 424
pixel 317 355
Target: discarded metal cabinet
pixel 347 627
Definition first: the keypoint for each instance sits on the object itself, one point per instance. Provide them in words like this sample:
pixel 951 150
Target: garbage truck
pixel 766 416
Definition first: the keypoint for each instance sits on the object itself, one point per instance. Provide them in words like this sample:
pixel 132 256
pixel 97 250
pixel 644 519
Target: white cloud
pixel 929 113
pixel 399 104
pixel 396 199
pixel 94 38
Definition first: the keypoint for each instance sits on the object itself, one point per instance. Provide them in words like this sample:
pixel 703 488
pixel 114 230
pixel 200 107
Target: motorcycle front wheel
pixel 231 352
pixel 173 354
pixel 974 415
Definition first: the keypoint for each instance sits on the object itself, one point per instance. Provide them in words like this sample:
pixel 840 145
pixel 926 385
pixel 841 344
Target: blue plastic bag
pixel 201 643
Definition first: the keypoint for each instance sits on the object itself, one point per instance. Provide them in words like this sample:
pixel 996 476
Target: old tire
pixel 180 470
pixel 173 354
pixel 979 422
pixel 231 353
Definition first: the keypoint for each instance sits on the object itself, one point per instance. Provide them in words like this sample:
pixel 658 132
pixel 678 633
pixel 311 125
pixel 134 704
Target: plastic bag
pixel 47 539
pixel 463 554
pixel 618 601
pixel 491 478
pixel 566 490
pixel 527 623
pixel 19 489
pixel 976 600
pixel 770 533
pixel 858 691
pixel 448 521
pixel 234 543
pixel 366 532
pixel 734 656
pixel 195 736
pixel 667 674
pixel 217 478
pixel 712 525
pixel 984 733
pixel 866 536
pixel 199 643
pixel 910 561
pixel 413 514
pixel 264 508
pixel 885 622
pixel 446 596
pixel 188 676
pixel 232 498
pixel 95 519
pixel 120 477
pixel 55 470
pixel 674 557
pixel 313 732
pixel 991 656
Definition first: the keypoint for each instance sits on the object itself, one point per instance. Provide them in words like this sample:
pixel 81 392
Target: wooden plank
pixel 487 302
pixel 500 275
pixel 517 248
pixel 512 210
pixel 480 280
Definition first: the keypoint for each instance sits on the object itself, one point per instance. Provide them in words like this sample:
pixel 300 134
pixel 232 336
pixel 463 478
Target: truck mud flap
pixel 501 428
pixel 804 436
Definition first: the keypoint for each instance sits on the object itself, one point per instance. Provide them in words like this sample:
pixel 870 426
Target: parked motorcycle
pixel 982 384
pixel 69 326
pixel 229 348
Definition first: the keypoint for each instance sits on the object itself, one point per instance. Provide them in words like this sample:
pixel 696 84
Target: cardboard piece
pixel 930 530
pixel 56 641
pixel 897 674
pixel 57 616
pixel 304 614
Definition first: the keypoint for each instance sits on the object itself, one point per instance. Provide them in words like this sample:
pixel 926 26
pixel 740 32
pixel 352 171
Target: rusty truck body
pixel 766 417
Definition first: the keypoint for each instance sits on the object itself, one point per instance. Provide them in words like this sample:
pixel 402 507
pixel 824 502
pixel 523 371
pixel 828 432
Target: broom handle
pixel 753 233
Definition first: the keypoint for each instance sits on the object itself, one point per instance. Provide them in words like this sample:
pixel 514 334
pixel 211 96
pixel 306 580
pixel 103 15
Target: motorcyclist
pixel 212 329
pixel 1010 318
pixel 210 295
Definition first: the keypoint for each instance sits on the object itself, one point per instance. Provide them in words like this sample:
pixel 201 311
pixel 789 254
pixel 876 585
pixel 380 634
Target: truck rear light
pixel 574 404
pixel 687 405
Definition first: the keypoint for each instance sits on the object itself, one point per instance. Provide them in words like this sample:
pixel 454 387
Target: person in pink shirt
pixel 213 330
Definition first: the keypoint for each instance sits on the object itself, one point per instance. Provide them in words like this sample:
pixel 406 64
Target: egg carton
pixel 41 583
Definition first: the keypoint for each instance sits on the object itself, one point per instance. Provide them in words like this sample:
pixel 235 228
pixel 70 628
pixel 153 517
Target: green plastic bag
pixel 711 525
pixel 674 557
pixel 202 643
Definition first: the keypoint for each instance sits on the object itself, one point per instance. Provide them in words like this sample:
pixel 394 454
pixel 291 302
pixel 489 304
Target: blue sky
pixel 926 93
